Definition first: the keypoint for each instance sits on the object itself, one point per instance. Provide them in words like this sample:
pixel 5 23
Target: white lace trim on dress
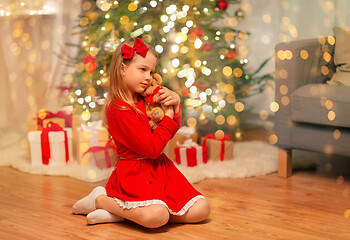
pixel 135 204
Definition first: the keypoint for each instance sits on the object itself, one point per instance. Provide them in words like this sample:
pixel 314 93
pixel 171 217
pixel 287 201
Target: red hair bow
pixel 139 47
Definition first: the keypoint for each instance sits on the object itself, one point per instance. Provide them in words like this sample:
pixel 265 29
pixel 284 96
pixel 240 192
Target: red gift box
pixel 190 157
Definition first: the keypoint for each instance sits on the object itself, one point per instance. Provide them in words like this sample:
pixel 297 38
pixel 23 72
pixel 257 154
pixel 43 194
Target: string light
pixel 159 48
pixel 153 3
pixel 171 9
pixel 197 43
pixel 147 28
pixel 78 92
pixel 185 8
pixel 175 48
pixel 164 18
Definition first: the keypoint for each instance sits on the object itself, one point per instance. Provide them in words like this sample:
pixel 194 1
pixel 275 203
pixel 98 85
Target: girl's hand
pixel 167 97
pixel 168 110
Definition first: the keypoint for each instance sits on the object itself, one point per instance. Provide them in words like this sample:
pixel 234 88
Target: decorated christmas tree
pixel 202 56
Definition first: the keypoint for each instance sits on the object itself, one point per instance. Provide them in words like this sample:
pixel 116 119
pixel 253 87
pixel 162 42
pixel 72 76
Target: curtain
pixel 32 46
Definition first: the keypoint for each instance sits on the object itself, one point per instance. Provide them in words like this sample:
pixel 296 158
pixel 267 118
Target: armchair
pixel 312 115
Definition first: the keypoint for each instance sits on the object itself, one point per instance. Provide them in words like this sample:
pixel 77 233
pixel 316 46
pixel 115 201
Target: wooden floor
pixel 310 205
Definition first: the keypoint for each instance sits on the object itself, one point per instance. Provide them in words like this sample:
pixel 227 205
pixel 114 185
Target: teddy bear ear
pixel 158 78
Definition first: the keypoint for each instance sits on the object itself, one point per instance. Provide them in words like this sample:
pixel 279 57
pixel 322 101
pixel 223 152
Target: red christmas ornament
pixel 231 55
pixel 222 4
pixel 206 47
pixel 198 32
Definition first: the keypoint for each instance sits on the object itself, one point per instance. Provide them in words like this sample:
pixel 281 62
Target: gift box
pixel 219 149
pixel 62 118
pixel 90 136
pixel 76 123
pixel 180 137
pixel 52 146
pixel 59 121
pixel 104 157
pixel 191 154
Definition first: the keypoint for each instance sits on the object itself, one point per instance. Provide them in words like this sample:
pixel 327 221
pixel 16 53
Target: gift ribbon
pixel 150 98
pixel 92 61
pixel 211 136
pixel 45 143
pixel 190 157
pixel 61 114
pixel 103 148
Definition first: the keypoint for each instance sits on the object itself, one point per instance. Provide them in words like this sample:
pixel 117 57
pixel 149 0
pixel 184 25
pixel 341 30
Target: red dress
pixel 154 179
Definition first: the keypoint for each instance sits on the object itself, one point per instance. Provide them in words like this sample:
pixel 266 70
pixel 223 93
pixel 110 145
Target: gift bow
pixel 187 144
pixel 45 143
pixel 150 98
pixel 89 59
pixel 94 125
pixel 92 61
pixel 139 47
pixel 105 149
pixel 61 114
pixel 211 136
pixel 186 131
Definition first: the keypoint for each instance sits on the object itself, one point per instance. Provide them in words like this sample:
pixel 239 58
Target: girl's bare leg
pixel 197 213
pixel 152 216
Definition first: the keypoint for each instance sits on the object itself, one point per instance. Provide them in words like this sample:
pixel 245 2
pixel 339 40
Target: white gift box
pixel 183 134
pixel 57 147
pixel 90 136
pixel 191 157
pixel 190 154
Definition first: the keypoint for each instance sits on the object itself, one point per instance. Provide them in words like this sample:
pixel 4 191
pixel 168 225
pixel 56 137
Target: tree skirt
pixel 250 159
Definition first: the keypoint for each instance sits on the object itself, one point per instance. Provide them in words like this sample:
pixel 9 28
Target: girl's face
pixel 137 75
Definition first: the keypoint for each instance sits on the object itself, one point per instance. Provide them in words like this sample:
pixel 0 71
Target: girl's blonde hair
pixel 117 88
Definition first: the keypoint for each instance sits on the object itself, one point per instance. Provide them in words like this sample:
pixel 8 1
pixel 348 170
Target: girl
pixel 145 186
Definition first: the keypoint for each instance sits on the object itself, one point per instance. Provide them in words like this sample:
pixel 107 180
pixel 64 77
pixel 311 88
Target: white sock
pixel 87 204
pixel 102 216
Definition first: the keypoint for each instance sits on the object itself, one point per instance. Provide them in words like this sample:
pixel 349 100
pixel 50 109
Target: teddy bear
pixel 153 109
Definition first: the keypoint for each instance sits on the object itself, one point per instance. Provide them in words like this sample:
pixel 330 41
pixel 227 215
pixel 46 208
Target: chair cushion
pixel 321 104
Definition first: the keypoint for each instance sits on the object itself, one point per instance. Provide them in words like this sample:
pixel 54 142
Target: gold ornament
pixel 104 80
pixel 86 116
pixel 91 92
pixel 203 118
pixel 191 122
pixel 115 4
pixel 240 14
pixel 238 134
